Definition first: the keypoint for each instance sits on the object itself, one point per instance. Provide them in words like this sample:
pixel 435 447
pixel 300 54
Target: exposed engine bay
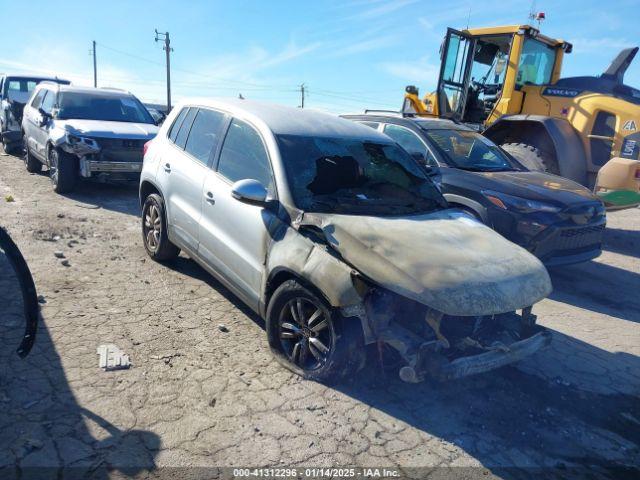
pixel 445 347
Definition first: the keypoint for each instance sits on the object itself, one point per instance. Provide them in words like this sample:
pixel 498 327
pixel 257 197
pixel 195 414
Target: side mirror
pixel 249 191
pixel 432 170
pixel 419 156
pixel 45 117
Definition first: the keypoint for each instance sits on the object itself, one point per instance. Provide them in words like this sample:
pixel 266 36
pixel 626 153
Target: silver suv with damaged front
pixel 85 132
pixel 339 239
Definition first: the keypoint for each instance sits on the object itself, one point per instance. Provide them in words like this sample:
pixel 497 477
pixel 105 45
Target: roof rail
pixel 49 82
pixel 114 89
pixel 393 112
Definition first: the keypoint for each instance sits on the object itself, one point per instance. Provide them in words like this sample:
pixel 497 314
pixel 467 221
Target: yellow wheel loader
pixel 506 81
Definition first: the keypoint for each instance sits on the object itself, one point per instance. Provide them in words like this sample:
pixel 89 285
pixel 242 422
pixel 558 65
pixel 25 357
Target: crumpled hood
pixel 445 260
pixel 102 129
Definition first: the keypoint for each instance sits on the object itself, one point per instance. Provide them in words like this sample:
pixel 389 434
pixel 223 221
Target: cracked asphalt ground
pixel 199 397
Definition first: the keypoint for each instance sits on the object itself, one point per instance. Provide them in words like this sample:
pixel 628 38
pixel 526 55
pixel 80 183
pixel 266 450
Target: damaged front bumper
pixel 476 364
pixel 434 345
pixel 105 156
pixel 89 167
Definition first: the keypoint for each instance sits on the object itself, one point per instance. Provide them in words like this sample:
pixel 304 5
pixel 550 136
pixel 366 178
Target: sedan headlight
pixel 506 202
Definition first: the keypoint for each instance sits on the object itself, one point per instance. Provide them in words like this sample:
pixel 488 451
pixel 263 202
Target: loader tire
pixel 532 157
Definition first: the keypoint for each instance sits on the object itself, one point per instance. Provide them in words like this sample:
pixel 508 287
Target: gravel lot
pixel 200 397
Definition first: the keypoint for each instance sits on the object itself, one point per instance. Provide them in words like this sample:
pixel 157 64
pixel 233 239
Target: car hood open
pixel 104 129
pixel 445 260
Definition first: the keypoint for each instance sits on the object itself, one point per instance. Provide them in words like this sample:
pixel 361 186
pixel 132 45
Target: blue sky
pixel 351 54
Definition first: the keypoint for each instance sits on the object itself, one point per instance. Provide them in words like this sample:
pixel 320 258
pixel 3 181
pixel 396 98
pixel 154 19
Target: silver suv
pixel 339 239
pixel 84 132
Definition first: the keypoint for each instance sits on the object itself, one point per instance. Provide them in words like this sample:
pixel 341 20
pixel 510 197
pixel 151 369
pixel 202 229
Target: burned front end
pixel 445 347
pixel 446 294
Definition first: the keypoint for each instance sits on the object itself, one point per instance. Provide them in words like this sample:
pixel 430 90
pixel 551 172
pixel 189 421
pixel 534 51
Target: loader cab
pixel 483 71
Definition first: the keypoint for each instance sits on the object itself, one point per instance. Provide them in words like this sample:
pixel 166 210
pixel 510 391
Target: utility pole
pixel 95 66
pixel 167 48
pixel 302 87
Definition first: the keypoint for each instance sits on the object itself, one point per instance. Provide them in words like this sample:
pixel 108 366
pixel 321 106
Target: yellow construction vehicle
pixel 506 81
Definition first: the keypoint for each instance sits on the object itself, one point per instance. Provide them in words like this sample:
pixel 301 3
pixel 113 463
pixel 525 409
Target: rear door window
pixel 183 133
pixel 175 128
pixel 244 156
pixel 204 136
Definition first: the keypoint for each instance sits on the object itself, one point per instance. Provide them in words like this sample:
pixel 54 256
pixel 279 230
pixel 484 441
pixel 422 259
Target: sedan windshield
pixel 110 108
pixel 350 176
pixel 470 151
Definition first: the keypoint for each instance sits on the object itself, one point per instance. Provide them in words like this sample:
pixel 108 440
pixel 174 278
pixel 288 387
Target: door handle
pixel 167 167
pixel 209 198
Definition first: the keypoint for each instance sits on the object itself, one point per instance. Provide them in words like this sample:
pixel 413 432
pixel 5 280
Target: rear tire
pixel 63 170
pixel 310 338
pixel 154 230
pixel 532 157
pixel 32 163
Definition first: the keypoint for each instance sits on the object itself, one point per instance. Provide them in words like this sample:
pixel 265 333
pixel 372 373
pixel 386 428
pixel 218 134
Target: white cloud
pixel 420 72
pixel 382 9
pixel 605 45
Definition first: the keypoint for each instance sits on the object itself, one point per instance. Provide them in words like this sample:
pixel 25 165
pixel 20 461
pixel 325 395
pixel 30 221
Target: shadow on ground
pixel 119 197
pixel 516 424
pixel 44 432
pixel 624 242
pixel 598 287
pixel 520 425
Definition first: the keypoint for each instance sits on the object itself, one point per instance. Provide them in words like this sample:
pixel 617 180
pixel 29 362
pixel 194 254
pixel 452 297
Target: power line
pixel 190 72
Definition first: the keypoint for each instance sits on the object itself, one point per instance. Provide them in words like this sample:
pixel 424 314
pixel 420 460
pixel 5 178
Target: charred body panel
pixel 460 267
pixel 446 317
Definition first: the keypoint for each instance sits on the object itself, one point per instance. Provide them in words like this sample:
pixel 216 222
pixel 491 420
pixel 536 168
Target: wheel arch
pixel 554 135
pixel 147 188
pixel 281 275
pixel 459 201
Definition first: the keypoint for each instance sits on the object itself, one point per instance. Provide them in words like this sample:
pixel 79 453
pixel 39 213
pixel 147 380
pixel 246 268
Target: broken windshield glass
pixel 342 175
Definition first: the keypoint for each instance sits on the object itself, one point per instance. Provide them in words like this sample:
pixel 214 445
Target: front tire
pixel 154 230
pixel 310 338
pixel 32 163
pixel 63 170
pixel 532 157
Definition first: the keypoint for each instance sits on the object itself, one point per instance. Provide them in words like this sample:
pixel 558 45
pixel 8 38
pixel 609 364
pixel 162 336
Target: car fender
pixel 471 204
